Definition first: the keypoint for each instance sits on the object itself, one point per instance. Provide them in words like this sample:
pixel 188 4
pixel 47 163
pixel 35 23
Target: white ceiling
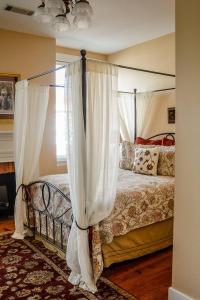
pixel 117 24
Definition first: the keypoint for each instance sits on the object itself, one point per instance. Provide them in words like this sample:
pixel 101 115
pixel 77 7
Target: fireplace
pixel 7 189
pixel 7 194
pixel 7 174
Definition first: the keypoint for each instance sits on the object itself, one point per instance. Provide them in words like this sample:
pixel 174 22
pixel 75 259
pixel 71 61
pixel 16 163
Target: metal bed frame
pixel 165 134
pixel 47 189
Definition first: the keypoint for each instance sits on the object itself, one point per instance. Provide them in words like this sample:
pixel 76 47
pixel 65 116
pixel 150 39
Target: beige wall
pixel 157 55
pixel 26 55
pixel 186 260
pixel 76 52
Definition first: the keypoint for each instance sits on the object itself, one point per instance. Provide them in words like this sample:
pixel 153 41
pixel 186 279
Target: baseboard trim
pixel 176 295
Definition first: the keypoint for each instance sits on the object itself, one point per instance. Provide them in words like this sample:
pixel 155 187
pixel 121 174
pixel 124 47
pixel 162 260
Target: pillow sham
pixel 127 154
pixel 146 161
pixel 141 141
pixel 166 161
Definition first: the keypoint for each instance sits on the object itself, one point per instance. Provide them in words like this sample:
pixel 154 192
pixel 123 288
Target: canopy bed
pixel 90 211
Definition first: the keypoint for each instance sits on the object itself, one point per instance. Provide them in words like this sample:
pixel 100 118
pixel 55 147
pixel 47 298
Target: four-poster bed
pixel 50 213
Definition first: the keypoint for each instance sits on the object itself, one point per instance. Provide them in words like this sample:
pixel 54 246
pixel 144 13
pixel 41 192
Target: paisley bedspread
pixel 141 200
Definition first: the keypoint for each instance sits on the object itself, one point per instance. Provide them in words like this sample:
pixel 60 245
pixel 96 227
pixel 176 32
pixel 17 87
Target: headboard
pixel 164 135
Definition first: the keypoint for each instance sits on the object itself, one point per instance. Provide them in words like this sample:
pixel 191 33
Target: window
pixel 61 151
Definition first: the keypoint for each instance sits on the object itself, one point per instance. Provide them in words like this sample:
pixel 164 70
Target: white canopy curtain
pixel 92 159
pixel 31 104
pixel 144 113
pixel 127 114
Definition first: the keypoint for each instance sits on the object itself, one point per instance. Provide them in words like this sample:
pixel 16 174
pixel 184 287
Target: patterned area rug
pixel 29 271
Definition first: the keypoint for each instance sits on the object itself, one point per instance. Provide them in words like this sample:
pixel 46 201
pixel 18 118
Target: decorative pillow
pixel 141 141
pixel 146 161
pixel 166 162
pixel 168 142
pixel 127 154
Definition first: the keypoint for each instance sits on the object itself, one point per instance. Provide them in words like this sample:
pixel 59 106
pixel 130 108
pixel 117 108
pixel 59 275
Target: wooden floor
pixel 7 225
pixel 147 278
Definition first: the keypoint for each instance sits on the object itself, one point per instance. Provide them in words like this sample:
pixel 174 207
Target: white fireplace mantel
pixel 6 146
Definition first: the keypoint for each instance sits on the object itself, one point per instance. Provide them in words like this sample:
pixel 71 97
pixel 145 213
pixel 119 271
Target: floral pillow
pixel 146 161
pixel 166 162
pixel 127 154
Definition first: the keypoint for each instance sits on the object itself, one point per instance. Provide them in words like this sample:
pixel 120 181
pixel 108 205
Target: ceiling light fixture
pixel 57 12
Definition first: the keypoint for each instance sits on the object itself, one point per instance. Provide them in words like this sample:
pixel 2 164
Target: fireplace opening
pixel 4 196
pixel 7 194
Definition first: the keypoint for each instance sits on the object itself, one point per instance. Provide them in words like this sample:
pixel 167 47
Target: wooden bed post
pixel 135 109
pixel 84 85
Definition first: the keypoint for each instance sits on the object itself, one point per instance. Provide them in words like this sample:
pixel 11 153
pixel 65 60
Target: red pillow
pixel 168 142
pixel 141 141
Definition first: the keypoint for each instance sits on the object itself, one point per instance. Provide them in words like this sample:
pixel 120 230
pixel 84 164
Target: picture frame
pixel 7 95
pixel 171 115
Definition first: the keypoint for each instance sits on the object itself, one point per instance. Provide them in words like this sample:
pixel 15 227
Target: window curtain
pixel 92 159
pixel 127 114
pixel 31 103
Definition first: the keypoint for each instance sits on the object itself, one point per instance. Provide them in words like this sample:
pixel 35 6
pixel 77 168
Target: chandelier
pixel 57 12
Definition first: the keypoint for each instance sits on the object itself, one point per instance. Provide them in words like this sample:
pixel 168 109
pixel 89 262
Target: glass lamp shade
pixel 54 11
pixel 61 24
pixel 41 15
pixel 82 22
pixel 53 3
pixel 82 9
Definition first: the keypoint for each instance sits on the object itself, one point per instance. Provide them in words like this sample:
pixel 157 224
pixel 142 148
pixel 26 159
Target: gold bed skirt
pixel 139 242
pixel 136 243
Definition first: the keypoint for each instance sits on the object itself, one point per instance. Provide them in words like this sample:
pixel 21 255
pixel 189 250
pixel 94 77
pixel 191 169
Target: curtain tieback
pixel 79 227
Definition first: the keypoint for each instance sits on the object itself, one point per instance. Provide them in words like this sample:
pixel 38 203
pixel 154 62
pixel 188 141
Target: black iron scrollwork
pixel 47 192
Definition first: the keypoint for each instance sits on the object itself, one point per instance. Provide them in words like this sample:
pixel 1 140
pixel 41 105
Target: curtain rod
pixel 132 93
pixel 56 86
pixel 169 89
pixel 45 73
pixel 63 61
pixel 144 70
pixel 119 66
pixel 155 91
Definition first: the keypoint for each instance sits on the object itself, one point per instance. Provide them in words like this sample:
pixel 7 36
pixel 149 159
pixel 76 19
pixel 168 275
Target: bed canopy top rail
pixel 83 56
pixel 132 93
pixel 84 83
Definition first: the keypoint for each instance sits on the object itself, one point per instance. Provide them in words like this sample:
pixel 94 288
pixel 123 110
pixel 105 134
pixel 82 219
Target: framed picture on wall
pixel 171 115
pixel 7 95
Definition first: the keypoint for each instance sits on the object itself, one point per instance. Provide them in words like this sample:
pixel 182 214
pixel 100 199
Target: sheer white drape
pixel 127 115
pixel 92 161
pixel 30 114
pixel 102 139
pixel 144 113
